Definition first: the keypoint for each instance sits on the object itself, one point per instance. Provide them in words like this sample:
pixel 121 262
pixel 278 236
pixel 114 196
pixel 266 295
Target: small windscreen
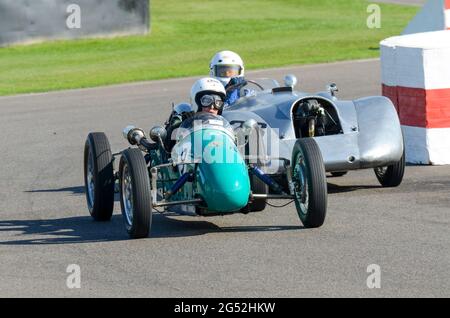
pixel 228 70
pixel 206 119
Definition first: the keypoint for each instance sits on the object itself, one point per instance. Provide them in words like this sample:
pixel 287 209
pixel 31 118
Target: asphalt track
pixel 44 222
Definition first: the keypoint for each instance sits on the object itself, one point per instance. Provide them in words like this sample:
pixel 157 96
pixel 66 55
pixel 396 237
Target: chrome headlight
pixel 158 133
pixel 133 134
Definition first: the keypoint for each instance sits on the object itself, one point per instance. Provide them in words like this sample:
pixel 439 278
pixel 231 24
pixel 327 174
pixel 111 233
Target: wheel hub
pixel 127 195
pixel 301 184
pixel 90 180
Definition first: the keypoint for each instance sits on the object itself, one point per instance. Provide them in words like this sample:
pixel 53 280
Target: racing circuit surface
pixel 45 226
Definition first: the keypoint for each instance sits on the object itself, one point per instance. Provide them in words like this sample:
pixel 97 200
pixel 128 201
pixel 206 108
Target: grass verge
pixel 185 34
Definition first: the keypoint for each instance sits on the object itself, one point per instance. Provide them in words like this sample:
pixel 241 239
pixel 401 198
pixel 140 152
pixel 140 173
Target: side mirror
pixel 158 133
pixel 333 89
pixel 290 80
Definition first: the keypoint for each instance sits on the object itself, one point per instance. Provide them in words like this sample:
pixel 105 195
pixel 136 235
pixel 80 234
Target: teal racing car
pixel 206 171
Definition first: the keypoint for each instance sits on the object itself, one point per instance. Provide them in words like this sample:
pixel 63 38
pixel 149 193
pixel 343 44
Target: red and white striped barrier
pixel 447 14
pixel 416 77
pixel 434 16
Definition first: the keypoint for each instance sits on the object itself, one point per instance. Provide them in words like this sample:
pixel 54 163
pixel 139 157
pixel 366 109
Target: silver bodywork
pixel 371 135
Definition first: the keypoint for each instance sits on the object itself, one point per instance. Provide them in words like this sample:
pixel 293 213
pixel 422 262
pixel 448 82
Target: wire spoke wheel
pixel 381 171
pixel 301 184
pixel 127 195
pixel 135 196
pixel 90 181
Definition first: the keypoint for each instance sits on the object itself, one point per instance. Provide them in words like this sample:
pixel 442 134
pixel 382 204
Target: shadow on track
pixel 79 190
pixel 83 229
pixel 334 188
pixel 74 190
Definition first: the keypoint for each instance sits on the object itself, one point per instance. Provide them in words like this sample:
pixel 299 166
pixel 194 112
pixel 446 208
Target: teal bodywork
pixel 221 177
pixel 223 180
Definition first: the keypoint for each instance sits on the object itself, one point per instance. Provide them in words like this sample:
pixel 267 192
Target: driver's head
pixel 211 103
pixel 208 95
pixel 226 65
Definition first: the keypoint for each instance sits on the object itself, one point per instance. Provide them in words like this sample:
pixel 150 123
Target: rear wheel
pixel 391 176
pixel 99 176
pixel 308 176
pixel 135 195
pixel 258 187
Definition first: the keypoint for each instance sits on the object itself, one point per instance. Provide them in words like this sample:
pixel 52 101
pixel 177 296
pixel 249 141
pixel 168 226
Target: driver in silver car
pixel 228 68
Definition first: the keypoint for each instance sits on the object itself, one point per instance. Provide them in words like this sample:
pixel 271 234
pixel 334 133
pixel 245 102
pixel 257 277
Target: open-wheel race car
pixel 351 134
pixel 205 170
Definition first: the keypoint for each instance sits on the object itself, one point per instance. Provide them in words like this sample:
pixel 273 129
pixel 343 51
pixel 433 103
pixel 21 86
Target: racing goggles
pixel 212 101
pixel 228 70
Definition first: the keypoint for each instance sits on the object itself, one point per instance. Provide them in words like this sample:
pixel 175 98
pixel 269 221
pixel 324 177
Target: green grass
pixel 186 33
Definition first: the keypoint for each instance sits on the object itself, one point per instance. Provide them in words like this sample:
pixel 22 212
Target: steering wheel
pixel 243 84
pixel 256 84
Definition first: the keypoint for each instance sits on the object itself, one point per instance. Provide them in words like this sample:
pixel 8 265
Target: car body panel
pixel 371 134
pixel 221 174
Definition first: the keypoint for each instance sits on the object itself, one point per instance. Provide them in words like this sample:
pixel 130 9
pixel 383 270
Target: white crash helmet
pixel 206 86
pixel 226 61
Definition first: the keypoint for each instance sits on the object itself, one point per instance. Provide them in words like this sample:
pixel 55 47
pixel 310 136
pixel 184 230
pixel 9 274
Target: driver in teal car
pixel 207 97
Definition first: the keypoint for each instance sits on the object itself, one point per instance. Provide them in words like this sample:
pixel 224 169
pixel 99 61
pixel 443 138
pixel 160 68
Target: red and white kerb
pixel 416 77
pixel 447 14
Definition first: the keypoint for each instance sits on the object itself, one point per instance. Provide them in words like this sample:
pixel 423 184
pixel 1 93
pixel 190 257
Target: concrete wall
pixel 24 21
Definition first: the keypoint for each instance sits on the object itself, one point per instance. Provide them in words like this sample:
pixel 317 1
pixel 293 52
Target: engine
pixel 314 117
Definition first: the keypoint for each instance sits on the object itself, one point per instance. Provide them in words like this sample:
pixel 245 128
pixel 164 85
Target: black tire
pixel 133 163
pixel 391 176
pixel 338 174
pixel 307 165
pixel 258 187
pixel 101 204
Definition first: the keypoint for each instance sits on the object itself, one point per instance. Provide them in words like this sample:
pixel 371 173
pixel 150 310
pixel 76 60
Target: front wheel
pixel 309 178
pixel 135 195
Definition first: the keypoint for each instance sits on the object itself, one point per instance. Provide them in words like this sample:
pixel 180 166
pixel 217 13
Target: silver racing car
pixel 351 134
